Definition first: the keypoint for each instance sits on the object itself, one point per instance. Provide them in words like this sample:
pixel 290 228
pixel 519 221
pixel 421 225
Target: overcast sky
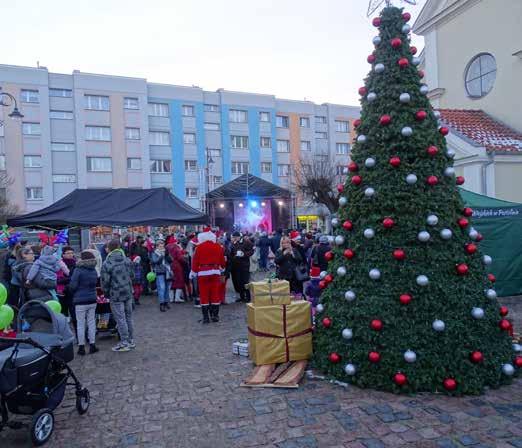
pixel 294 49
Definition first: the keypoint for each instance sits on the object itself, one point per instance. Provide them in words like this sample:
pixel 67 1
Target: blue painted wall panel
pixel 176 142
pixel 253 141
pixel 275 178
pixel 225 144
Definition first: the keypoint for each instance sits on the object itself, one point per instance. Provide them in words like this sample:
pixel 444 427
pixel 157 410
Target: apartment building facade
pixel 98 131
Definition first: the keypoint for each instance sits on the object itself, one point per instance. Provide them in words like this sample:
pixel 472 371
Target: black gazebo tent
pixel 248 185
pixel 113 207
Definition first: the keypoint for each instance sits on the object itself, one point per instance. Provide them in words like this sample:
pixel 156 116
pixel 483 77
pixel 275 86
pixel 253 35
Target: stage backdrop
pixel 253 216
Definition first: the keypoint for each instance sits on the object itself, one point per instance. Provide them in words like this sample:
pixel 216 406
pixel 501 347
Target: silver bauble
pixel 350 369
pixel 473 234
pixel 424 89
pixel 406 28
pixel 349 296
pixel 379 68
pixel 405 98
pixel 415 60
pixel 319 308
pixel 422 280
pixel 343 201
pixel 487 260
pixel 491 294
pixel 517 348
pixel 477 313
pixel 376 40
pixel 508 369
pixel 438 325
pixel 449 171
pixel 423 236
pixel 410 356
pixel 323 274
pixel 437 114
pixel 361 139
pixel 339 240
pixel 330 239
pixel 432 220
pixel 406 131
pixel 450 153
pixel 369 162
pixel 375 274
pixel 345 170
pixel 369 192
pixel 371 97
pixel 411 179
pixel 369 233
pixel 335 222
pixel 446 234
pixel 347 333
pixel 341 271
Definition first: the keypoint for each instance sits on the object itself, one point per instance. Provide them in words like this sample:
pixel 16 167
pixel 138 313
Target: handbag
pixel 301 273
pixel 168 273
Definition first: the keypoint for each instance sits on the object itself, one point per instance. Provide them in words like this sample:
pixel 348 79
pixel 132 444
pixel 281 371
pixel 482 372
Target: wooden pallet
pixel 287 375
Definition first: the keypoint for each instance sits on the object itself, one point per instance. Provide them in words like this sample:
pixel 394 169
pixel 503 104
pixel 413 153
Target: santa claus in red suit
pixel 207 264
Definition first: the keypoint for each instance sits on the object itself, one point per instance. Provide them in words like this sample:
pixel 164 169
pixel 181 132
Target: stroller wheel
pixel 42 426
pixel 83 400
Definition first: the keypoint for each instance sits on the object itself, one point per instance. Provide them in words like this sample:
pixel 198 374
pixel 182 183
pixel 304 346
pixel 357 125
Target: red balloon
pixel 385 120
pixel 322 284
pixel 432 180
pixel 399 254
pixel 388 223
pixel 374 357
pixel 371 58
pixel 503 311
pixel 432 150
pixel 334 357
pixel 356 180
pixel 395 161
pixel 471 248
pixel 376 325
pixel 328 278
pixel 405 299
pixel 406 16
pixel 329 256
pixel 349 253
pixel 327 322
pixel 463 223
pixel 421 115
pixel 413 50
pixel 347 225
pixel 518 361
pixel 396 42
pixel 376 22
pixel 492 278
pixel 353 167
pixel 462 269
pixel 357 123
pixel 476 357
pixel 362 91
pixel 444 130
pixel 340 188
pixel 460 180
pixel 403 62
pixel 400 379
pixel 421 73
pixel 467 211
pixel 504 324
pixel 450 384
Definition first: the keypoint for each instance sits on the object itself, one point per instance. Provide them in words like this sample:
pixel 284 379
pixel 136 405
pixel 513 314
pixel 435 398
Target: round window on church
pixel 480 75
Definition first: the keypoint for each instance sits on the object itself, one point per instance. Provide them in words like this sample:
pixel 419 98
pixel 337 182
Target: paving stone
pixel 467 440
pixel 324 400
pixel 346 420
pixel 517 443
pixel 428 433
pixel 387 418
pixel 446 443
pixel 475 412
pixel 403 416
pixel 445 418
pixel 372 443
pixel 370 410
pixel 500 433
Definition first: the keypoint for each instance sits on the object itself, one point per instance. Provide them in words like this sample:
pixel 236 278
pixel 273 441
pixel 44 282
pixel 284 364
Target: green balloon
pixel 6 316
pixel 3 294
pixel 151 276
pixel 54 305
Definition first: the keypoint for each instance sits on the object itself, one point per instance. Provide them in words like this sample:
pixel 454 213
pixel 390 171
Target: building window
pixel 191 165
pixel 96 102
pixel 187 111
pixel 64 178
pixel 211 126
pixel 341 169
pixel 34 193
pixel 132 133
pixel 211 108
pixel 159 138
pixel 342 126
pixel 189 138
pixel 99 164
pixel 480 75
pixel 320 119
pixel 191 192
pixel 32 161
pixel 31 129
pixel 281 121
pixel 306 145
pixel 237 116
pixel 264 117
pixel 321 135
pixel 60 93
pixel 218 180
pixel 265 142
pixel 283 170
pixel 62 147
pixel 98 133
pixel 158 110
pixel 160 166
pixel 240 167
pixel 342 148
pixel 134 163
pixel 304 122
pixel 266 167
pixel 29 96
pixel 214 152
pixel 61 115
pixel 131 103
pixel 2 162
pixel 239 141
pixel 283 146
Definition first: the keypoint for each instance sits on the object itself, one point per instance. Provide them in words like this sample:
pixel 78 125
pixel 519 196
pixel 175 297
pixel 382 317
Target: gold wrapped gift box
pixel 279 333
pixel 270 292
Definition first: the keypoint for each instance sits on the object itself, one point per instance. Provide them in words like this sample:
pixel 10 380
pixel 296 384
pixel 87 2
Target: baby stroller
pixel 34 371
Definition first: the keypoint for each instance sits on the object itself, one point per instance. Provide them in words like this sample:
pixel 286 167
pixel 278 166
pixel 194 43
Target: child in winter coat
pixel 44 271
pixel 313 291
pixel 137 282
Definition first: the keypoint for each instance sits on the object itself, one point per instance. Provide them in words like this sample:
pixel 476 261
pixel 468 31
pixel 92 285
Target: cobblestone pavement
pixel 180 388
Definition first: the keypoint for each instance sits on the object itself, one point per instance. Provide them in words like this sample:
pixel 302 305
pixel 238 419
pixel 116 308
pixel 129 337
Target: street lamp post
pixel 8 100
pixel 208 179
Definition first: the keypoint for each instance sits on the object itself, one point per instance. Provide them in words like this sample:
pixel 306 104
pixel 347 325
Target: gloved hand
pixel 192 275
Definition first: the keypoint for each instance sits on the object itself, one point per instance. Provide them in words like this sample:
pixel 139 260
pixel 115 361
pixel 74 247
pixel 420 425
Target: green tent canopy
pixel 501 224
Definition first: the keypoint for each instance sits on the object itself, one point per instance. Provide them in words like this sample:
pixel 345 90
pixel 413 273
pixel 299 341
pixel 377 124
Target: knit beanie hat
pixel 87 255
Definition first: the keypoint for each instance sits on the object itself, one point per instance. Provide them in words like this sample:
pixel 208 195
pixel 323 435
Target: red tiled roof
pixel 483 129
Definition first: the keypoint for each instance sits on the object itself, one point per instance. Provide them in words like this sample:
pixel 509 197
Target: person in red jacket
pixel 208 263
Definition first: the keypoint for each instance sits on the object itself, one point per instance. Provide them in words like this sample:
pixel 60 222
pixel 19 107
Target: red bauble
pixel 396 42
pixel 403 62
pixel 356 180
pixel 349 253
pixel 374 357
pixel 405 299
pixel 406 16
pixel 388 223
pixel 480 237
pixel 357 123
pixel 460 180
pixel 340 188
pixel 450 384
pixel 347 225
pixel 518 361
pixel 322 284
pixel 395 161
pixel 462 269
pixel 399 254
pixel 327 322
pixel 476 357
pixel 329 256
pixel 421 73
pixel 413 50
pixel 376 325
pixel 432 180
pixel 400 379
pixel 504 324
pixel 421 115
pixel 492 278
pixel 353 167
pixel 467 211
pixel 470 248
pixel 432 150
pixel 385 120
pixel 371 58
pixel 328 278
pixel 463 223
pixel 334 357
pixel 363 91
pixel 503 311
pixel 376 22
pixel 444 130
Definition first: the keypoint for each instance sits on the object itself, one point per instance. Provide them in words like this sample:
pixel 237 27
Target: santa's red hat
pixel 315 272
pixel 295 235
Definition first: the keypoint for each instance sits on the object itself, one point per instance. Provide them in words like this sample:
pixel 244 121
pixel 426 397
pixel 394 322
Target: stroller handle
pixel 21 341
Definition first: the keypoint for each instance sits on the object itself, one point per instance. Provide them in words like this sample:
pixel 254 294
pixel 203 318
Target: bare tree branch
pixel 7 209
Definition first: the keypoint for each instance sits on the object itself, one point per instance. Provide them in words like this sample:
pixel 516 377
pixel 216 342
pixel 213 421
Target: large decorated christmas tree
pixel 408 304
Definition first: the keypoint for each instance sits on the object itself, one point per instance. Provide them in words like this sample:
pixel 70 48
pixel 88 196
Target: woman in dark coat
pixel 287 259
